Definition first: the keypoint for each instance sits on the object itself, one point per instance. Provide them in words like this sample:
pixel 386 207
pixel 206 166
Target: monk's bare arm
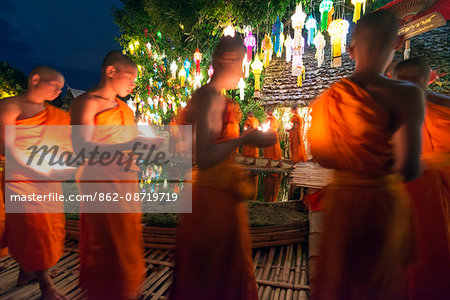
pixel 408 138
pixel 83 112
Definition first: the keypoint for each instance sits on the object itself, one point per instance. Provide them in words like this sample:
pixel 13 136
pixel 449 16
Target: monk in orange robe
pixel 273 152
pixel 428 274
pixel 112 262
pixel 247 150
pixel 35 239
pixel 366 243
pixel 298 152
pixel 213 255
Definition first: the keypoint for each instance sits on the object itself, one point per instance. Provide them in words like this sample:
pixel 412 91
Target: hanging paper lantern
pixel 182 76
pixel 197 60
pixel 198 80
pixel 186 66
pixel 288 44
pixel 267 47
pixel 249 42
pixel 325 7
pixel 357 12
pixel 173 69
pixel 210 72
pixel 241 86
pixel 336 29
pixel 246 66
pixel 131 47
pixel 298 18
pixel 311 26
pixel 344 36
pixel 257 67
pixel 229 31
pixel 298 21
pixel 277 30
pixel 280 51
pixel 319 42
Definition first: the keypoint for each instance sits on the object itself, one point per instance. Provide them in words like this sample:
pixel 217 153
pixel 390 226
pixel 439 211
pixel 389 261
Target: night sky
pixel 72 36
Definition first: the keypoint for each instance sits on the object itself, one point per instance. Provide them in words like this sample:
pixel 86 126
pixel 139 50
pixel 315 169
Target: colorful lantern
pixel 229 31
pixel 325 7
pixel 241 86
pixel 298 21
pixel 197 60
pixel 187 66
pixel 182 75
pixel 319 42
pixel 311 26
pixel 246 66
pixel 344 36
pixel 267 47
pixel 357 12
pixel 277 30
pixel 173 69
pixel 336 29
pixel 280 51
pixel 257 67
pixel 210 72
pixel 288 44
pixel 249 42
pixel 198 80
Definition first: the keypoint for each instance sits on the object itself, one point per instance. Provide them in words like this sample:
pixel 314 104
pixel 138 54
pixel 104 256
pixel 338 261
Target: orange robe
pixel 213 255
pixel 247 150
pixel 36 240
pixel 273 152
pixel 272 186
pixel 111 244
pixel 298 152
pixel 428 275
pixel 367 232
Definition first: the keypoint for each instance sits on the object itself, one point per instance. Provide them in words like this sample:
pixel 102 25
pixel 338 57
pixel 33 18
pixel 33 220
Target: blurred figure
pixel 273 152
pixel 36 239
pixel 298 152
pixel 272 185
pixel 430 193
pixel 248 150
pixel 112 262
pixel 213 255
pixel 367 235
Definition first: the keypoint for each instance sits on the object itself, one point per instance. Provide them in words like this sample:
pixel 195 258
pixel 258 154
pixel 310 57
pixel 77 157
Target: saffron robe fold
pixel 428 275
pixel 248 150
pixel 298 152
pixel 112 248
pixel 36 239
pixel 213 254
pixel 274 151
pixel 366 241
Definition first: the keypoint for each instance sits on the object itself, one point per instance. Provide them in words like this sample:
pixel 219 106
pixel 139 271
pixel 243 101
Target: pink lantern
pixel 249 42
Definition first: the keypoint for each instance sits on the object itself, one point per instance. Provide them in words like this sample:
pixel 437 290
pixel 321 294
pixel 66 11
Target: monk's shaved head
pixel 45 72
pixel 376 30
pixel 226 44
pixel 415 69
pixel 114 58
pixel 269 110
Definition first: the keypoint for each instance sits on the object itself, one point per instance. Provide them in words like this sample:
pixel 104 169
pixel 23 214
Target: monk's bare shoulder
pixel 438 99
pixel 84 108
pixel 202 100
pixel 10 108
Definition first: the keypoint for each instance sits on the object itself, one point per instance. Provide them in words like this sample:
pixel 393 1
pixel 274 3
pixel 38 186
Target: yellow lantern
pixel 267 47
pixel 337 29
pixel 182 76
pixel 358 5
pixel 257 67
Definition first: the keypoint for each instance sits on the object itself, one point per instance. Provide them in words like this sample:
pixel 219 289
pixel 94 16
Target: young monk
pixel 213 255
pixel 273 152
pixel 112 252
pixel 430 203
pixel 35 240
pixel 366 241
pixel 247 150
pixel 298 152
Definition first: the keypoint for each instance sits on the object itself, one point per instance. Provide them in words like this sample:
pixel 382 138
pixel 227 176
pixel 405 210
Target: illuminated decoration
pixel 277 30
pixel 336 30
pixel 326 6
pixel 197 60
pixel 182 76
pixel 319 42
pixel 344 36
pixel 246 66
pixel 358 4
pixel 131 47
pixel 288 44
pixel 241 86
pixel 301 77
pixel 311 26
pixel 280 51
pixel 198 80
pixel 267 47
pixel 149 46
pixel 257 67
pixel 298 21
pixel 249 42
pixel 229 31
pixel 173 69
pixel 265 127
pixel 131 105
pixel 187 66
